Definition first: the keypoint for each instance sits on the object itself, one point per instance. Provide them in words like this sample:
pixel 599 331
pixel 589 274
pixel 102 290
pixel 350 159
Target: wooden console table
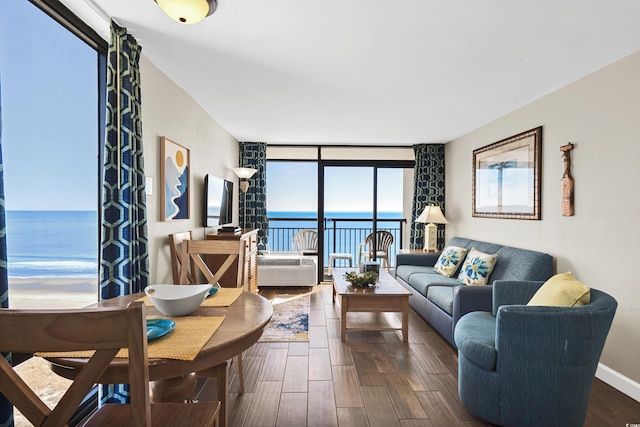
pixel 250 239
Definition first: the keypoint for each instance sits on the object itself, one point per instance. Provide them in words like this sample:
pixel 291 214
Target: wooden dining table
pixel 175 380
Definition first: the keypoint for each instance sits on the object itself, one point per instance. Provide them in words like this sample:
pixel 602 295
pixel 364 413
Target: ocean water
pixel 50 244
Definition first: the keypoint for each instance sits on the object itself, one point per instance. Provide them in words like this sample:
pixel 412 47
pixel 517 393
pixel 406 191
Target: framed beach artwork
pixel 506 177
pixel 174 170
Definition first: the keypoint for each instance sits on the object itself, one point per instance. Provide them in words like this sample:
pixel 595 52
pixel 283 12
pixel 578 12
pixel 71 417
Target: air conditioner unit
pixel 289 270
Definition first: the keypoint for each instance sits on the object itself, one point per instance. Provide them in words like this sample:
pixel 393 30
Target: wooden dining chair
pixel 192 252
pixel 105 330
pixel 175 250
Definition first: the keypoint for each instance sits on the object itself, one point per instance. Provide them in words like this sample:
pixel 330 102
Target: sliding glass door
pixel 344 201
pixel 359 201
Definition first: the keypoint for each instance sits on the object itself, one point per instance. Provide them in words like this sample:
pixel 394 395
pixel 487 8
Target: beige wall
pixel 169 111
pixel 600 114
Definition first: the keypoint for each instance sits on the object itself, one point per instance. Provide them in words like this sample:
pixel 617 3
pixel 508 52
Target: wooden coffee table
pixel 387 296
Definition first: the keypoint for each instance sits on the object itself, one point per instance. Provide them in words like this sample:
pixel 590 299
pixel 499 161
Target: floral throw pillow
pixel 449 260
pixel 477 268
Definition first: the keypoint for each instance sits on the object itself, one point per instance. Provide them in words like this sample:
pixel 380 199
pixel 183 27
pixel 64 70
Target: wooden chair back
pixel 105 330
pixel 175 249
pixel 306 240
pixel 193 250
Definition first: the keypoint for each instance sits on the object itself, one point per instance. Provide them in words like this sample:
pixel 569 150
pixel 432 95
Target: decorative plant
pixel 361 280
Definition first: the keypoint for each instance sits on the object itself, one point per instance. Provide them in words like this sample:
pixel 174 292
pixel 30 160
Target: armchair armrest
pixel 425 260
pixel 470 298
pixel 510 292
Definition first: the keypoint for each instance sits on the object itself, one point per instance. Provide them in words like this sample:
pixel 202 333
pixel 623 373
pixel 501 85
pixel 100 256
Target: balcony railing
pixel 340 235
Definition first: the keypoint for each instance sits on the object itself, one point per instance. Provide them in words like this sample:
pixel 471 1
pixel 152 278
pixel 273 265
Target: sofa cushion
pixel 562 290
pixel 421 281
pixel 405 271
pixel 477 267
pixel 475 337
pixel 449 260
pixel 442 296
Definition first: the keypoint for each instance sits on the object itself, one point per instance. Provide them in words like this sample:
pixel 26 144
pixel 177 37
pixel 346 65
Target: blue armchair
pixel 531 365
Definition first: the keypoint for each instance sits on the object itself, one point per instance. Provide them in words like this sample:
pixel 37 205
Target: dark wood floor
pixel 372 379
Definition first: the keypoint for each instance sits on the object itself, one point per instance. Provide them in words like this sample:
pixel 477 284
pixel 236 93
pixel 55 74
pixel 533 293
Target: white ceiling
pixel 370 71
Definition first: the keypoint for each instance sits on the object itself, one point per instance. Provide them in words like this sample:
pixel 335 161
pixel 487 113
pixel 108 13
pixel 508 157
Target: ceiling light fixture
pixel 188 11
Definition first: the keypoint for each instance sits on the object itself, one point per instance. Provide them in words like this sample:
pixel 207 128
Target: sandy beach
pixel 52 292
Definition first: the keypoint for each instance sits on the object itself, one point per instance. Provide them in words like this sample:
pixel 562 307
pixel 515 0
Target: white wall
pixel 169 111
pixel 600 114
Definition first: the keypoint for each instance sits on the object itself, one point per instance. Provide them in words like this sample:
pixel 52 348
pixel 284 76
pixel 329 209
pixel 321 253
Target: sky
pixel 292 186
pixel 49 135
pixel 49 113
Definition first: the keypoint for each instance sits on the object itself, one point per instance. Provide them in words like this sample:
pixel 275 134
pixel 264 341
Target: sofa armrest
pixel 470 298
pixel 426 259
pixel 513 292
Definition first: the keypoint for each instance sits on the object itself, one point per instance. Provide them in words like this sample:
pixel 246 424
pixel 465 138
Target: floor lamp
pixel 430 216
pixel 244 174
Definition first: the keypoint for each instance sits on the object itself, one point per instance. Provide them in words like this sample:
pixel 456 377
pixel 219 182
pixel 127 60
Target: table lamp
pixel 430 216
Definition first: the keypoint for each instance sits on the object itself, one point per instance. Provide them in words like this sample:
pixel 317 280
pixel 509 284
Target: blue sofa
pixel 523 365
pixel 442 300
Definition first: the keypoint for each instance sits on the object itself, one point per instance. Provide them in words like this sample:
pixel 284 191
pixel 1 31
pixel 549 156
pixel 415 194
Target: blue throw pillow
pixel 477 268
pixel 449 260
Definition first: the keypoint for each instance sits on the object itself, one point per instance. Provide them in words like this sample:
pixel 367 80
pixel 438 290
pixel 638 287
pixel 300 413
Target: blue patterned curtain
pixel 6 409
pixel 124 265
pixel 428 188
pixel 254 155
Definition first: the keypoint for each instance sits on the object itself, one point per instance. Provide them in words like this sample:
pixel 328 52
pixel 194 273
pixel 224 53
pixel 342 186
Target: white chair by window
pixel 306 241
pixel 383 242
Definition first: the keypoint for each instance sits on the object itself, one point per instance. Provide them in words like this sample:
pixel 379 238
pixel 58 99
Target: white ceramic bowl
pixel 176 300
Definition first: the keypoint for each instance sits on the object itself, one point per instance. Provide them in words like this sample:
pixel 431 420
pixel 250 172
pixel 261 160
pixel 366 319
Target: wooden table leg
pixel 173 389
pixel 344 301
pixel 405 320
pixel 222 391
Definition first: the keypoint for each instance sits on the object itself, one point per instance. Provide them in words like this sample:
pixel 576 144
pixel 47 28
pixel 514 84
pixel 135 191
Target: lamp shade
pixel 432 215
pixel 244 173
pixel 188 11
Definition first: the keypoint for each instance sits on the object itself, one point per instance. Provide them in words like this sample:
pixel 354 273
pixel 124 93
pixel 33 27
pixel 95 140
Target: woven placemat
pixel 223 298
pixel 191 333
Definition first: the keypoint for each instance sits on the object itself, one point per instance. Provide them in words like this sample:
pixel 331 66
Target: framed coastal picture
pixel 506 177
pixel 174 171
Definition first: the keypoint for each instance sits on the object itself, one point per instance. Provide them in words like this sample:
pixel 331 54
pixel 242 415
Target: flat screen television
pixel 218 201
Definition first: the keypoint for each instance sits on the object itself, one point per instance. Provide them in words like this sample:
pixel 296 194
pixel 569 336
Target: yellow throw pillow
pixel 449 260
pixel 562 290
pixel 476 268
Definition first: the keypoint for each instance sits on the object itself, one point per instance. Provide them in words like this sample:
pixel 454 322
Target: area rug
pixel 290 321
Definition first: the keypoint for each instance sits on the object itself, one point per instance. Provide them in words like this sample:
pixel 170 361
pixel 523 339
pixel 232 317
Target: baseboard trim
pixel 618 381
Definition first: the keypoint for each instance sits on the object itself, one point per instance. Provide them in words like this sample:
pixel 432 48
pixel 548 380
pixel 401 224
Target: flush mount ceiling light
pixel 188 11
